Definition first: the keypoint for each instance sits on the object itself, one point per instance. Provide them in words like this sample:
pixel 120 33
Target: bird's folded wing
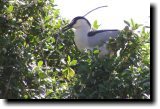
pixel 99 37
pixel 93 33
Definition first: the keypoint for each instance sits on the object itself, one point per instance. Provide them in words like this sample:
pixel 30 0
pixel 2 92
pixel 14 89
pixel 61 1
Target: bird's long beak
pixel 69 26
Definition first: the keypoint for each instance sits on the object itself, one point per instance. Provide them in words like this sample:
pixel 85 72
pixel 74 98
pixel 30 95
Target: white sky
pixel 111 17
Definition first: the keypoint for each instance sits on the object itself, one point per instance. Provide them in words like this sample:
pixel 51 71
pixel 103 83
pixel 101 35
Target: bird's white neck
pixel 81 37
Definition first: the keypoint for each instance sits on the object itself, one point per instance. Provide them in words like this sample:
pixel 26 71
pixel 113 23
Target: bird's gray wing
pixel 99 37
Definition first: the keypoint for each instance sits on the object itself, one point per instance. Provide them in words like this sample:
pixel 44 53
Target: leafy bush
pixel 38 61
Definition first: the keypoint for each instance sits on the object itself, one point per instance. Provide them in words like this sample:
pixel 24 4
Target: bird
pixel 86 38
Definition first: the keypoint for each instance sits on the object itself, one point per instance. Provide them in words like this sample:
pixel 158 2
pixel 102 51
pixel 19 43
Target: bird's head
pixel 78 22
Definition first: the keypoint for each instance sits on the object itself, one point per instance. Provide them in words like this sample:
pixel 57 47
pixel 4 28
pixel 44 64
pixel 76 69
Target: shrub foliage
pixel 38 61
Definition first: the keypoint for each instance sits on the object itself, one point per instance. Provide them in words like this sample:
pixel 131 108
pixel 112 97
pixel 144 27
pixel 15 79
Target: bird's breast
pixel 81 40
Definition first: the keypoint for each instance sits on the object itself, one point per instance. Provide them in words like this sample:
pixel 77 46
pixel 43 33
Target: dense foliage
pixel 38 61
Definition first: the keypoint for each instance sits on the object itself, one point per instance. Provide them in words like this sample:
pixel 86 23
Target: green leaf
pixel 60 46
pixel 40 1
pixel 68 73
pixel 96 51
pixel 58 25
pixel 73 62
pixel 47 19
pixel 53 40
pixel 126 22
pixel 56 13
pixel 95 24
pixel 71 72
pixel 49 91
pixel 40 63
pixel 25 96
pixel 68 59
pixel 132 23
pixel 41 74
pixel 10 9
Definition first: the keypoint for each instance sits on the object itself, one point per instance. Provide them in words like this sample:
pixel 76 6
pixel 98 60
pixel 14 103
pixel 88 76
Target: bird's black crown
pixel 80 17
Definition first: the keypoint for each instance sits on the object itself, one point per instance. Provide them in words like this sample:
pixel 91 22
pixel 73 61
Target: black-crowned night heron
pixel 86 38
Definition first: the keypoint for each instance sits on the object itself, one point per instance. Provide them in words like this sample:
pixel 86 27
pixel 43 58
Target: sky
pixel 111 17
